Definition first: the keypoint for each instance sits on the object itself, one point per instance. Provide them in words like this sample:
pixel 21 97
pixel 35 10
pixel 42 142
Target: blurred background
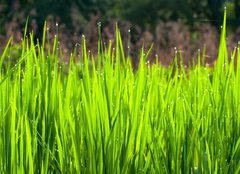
pixel 185 25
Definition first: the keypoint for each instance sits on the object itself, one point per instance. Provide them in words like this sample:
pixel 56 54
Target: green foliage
pixel 108 118
pixel 148 12
pixel 142 12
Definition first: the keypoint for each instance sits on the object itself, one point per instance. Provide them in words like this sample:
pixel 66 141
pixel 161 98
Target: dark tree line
pixel 141 12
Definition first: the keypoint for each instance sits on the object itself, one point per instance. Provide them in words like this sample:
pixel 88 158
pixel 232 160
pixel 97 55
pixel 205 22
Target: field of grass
pixel 99 115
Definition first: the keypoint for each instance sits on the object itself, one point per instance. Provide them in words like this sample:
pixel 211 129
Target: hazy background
pixel 185 24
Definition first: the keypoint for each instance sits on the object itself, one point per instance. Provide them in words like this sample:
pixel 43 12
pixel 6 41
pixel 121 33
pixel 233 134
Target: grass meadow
pixel 97 114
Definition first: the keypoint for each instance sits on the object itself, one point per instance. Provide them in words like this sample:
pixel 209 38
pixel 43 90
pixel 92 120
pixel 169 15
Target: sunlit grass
pixel 101 116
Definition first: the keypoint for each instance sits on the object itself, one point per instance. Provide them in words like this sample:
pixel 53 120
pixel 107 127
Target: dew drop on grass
pixel 168 124
pixel 196 169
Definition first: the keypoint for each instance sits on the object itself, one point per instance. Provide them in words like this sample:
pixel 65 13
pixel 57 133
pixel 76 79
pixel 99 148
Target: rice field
pixel 97 114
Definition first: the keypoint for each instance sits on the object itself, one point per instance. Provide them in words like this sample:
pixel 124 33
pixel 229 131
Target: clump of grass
pixel 106 118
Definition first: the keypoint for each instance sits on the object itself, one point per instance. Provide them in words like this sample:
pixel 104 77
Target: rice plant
pixel 99 115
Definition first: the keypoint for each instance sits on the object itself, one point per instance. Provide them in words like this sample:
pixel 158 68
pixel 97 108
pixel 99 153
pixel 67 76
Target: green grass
pixel 102 116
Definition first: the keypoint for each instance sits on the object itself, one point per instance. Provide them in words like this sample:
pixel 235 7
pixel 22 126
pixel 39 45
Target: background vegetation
pixel 185 24
pixel 143 13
